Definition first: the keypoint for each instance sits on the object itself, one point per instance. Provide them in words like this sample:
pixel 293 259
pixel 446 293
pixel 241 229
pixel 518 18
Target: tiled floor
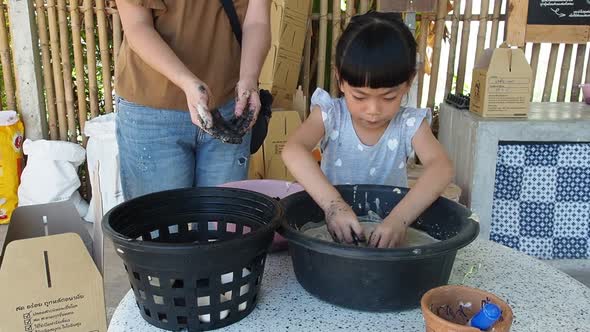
pixel 116 284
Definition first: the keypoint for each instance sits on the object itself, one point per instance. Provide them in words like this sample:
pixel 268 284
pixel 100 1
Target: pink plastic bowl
pixel 272 188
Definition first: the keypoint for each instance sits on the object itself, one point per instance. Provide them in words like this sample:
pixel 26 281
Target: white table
pixel 542 298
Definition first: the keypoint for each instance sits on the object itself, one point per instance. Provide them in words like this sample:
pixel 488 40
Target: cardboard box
pixel 282 124
pixel 267 162
pixel 501 84
pixel 48 279
pixel 289 21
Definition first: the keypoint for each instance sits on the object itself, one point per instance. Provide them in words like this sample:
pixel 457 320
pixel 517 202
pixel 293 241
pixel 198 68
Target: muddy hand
pixel 197 97
pixel 343 223
pixel 247 102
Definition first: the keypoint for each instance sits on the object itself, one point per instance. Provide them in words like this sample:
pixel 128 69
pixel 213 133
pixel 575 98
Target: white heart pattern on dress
pixel 411 122
pixel 402 165
pixel 334 135
pixel 372 171
pixel 392 144
pixel 324 116
pixel 360 147
pixel 338 163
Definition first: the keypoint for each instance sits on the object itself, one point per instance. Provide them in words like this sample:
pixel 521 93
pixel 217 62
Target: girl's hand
pixel 197 97
pixel 343 223
pixel 389 234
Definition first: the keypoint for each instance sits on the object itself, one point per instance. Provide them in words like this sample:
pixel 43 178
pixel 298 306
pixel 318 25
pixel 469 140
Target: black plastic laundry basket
pixel 195 257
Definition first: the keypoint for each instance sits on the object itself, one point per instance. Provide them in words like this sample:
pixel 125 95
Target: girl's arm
pixel 255 46
pixel 298 158
pixel 438 173
pixel 145 41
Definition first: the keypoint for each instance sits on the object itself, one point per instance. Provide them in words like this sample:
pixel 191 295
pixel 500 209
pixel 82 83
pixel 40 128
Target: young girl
pixel 367 136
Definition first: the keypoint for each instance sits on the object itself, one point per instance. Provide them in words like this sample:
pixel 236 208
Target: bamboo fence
pixel 79 41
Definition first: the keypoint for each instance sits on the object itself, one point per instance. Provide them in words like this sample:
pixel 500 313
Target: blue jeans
pixel 163 149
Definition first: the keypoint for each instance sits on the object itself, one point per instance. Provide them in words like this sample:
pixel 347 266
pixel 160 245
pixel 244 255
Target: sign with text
pixel 559 12
pixel 551 21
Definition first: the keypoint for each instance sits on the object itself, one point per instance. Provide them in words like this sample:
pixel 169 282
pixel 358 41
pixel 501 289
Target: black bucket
pixel 371 279
pixel 195 257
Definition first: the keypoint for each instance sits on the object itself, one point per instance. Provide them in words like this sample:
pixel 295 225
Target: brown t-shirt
pixel 198 31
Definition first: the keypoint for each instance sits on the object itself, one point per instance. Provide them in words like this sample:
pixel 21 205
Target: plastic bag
pixel 11 162
pixel 51 174
pixel 102 154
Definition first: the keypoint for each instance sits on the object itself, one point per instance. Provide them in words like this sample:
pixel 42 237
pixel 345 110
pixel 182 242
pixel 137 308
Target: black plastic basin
pixel 371 279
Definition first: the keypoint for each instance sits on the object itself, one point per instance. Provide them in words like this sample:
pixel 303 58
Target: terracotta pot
pixel 449 308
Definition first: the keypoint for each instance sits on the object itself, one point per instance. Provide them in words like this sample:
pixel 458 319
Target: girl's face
pixel 373 108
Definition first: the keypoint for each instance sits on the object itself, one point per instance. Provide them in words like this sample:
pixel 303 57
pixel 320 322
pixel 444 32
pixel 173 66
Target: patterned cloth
pixel 542 199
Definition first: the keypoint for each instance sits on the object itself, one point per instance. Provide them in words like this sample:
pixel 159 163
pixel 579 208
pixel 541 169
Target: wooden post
pixel 496 24
pixel 578 72
pixel 64 42
pixel 464 46
pixel 322 43
pixel 550 73
pixel 350 9
pixel 516 13
pixel 364 6
pixel 57 75
pixel 565 71
pixel 105 55
pixel 453 46
pixel 336 30
pixel 29 87
pixel 79 62
pixel 535 65
pixel 47 73
pixel 441 14
pixel 91 57
pixel 117 38
pixel 424 23
pixel 6 61
pixel 307 63
pixel 483 26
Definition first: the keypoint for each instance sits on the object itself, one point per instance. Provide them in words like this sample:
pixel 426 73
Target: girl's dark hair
pixel 377 50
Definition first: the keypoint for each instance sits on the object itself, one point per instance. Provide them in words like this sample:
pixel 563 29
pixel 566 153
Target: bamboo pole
pixel 105 55
pixel 5 59
pixel 534 65
pixel 550 72
pixel 79 62
pixel 483 26
pixel 350 9
pixel 307 65
pixel 565 70
pixel 496 23
pixel 364 7
pixel 440 28
pixel 47 73
pixel 57 74
pixel 64 42
pixel 91 57
pixel 453 46
pixel 336 30
pixel 578 72
pixel 464 46
pixel 424 23
pixel 322 43
pixel 117 38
